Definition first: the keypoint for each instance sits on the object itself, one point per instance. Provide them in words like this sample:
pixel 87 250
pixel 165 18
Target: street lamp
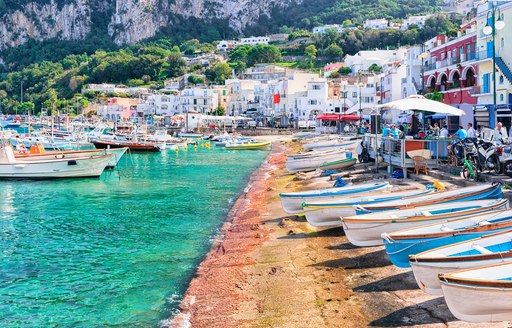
pixel 360 86
pixel 422 56
pixel 491 30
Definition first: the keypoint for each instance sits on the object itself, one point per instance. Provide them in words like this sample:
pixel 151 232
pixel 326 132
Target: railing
pixel 472 56
pixel 394 151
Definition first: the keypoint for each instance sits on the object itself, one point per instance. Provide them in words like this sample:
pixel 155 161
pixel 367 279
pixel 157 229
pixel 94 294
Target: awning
pixel 423 104
pixel 436 116
pixel 338 117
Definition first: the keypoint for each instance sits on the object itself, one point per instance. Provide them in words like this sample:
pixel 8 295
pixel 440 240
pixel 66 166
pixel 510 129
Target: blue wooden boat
pixel 487 250
pixel 400 245
pixel 486 191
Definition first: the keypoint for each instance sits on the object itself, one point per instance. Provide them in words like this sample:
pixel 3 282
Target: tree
pixel 345 70
pixel 220 111
pixel 219 73
pixel 240 54
pixel 435 95
pixel 176 65
pixel 333 52
pixel 375 68
pixel 194 79
pixel 310 52
pixel 264 53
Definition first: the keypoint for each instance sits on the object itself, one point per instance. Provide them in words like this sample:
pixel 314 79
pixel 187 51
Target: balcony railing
pixel 472 56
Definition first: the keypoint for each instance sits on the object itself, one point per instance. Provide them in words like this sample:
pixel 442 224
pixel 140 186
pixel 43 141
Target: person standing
pixel 471 132
pixel 500 133
pixel 444 132
pixel 395 133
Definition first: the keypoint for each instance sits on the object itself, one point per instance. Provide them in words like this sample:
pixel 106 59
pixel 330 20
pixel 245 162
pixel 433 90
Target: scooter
pixel 505 155
pixel 488 156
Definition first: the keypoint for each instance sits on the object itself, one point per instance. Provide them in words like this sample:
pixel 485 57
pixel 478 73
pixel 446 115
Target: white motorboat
pixel 479 294
pixel 86 166
pixel 292 201
pixel 366 229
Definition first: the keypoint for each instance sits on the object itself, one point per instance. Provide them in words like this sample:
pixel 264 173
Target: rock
pixel 291 233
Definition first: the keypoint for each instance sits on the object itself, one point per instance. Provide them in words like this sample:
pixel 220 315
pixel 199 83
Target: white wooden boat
pixel 479 294
pixel 485 191
pixel 317 153
pixel 292 201
pixel 321 214
pixel 366 229
pixel 86 166
pixel 486 250
pixel 327 144
pixel 311 163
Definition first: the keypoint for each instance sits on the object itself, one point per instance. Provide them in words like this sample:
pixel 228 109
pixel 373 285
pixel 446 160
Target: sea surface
pixel 119 250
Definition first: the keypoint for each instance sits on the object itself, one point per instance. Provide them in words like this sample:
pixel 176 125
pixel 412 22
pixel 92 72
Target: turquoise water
pixel 118 250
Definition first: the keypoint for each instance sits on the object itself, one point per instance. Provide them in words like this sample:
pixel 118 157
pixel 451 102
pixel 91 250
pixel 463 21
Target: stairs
pixel 504 68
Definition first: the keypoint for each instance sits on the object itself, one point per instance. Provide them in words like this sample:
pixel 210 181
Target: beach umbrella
pixel 420 103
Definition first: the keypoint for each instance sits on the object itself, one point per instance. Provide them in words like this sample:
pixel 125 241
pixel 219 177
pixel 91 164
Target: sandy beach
pixel 270 269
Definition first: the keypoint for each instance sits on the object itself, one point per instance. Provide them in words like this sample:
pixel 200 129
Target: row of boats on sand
pixel 458 243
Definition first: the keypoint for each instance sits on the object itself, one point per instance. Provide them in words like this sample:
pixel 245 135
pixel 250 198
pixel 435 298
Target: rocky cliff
pixel 126 21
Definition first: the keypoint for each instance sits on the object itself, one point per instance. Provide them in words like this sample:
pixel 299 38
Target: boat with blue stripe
pixel 400 245
pixel 486 250
pixel 292 201
pixel 485 191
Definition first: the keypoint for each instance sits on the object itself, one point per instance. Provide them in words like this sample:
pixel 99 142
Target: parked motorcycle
pixel 505 157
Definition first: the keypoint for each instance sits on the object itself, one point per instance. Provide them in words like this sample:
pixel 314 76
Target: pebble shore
pixel 270 269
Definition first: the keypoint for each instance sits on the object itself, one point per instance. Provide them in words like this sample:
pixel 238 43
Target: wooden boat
pixel 39 153
pixel 339 164
pixel 310 163
pixel 401 244
pixel 327 144
pixel 366 229
pixel 486 191
pixel 486 250
pixel 321 214
pixel 479 294
pixel 133 146
pixel 78 167
pixel 248 146
pixel 317 153
pixel 292 201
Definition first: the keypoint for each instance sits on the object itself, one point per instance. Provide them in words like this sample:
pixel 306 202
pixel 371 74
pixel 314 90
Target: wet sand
pixel 270 269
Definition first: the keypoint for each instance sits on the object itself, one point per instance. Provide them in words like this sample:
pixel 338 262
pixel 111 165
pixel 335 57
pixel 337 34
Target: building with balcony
pixel 361 61
pixel 253 41
pixel 452 68
pixel 485 111
pixel 200 100
pixel 414 20
pixel 320 30
pixel 376 24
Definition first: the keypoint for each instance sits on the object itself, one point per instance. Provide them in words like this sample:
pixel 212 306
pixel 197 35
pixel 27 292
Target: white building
pixel 200 100
pixel 112 88
pixel 314 101
pixel 319 30
pixel 265 72
pixel 241 96
pixel 160 104
pixel 411 84
pixel 227 45
pixel 414 20
pixel 365 58
pixel 252 41
pixel 376 24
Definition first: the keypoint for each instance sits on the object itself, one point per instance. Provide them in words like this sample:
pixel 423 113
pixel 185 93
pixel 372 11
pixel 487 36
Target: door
pixel 490 47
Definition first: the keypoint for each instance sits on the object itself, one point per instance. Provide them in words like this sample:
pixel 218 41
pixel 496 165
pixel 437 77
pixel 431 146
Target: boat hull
pixel 73 168
pixel 341 164
pixel 134 147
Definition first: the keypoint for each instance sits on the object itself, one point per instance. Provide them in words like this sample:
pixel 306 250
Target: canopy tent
pixel 338 117
pixel 422 104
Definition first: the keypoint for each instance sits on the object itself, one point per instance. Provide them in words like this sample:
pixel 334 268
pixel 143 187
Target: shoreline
pixel 271 269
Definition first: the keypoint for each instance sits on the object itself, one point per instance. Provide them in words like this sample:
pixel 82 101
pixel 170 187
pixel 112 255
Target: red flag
pixel 277 98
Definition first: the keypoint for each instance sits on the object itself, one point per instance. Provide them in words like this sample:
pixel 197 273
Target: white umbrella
pixel 423 104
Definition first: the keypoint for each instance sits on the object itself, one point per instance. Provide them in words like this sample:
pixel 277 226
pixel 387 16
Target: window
pixel 354 94
pixel 336 109
pixel 486 82
pixel 195 101
pixel 501 97
pixel 312 102
pixel 501 79
pixel 316 87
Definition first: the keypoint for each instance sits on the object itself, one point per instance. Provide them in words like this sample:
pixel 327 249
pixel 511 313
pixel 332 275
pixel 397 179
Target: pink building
pixel 452 69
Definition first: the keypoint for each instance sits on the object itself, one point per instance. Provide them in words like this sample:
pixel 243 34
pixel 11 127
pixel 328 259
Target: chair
pixel 420 163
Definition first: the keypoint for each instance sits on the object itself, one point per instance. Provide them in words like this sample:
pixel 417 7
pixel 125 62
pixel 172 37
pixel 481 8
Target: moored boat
pixel 248 146
pixel 292 201
pixel 400 245
pixel 489 249
pixel 366 229
pixel 479 294
pixel 321 214
pixel 133 146
pixel 310 163
pixel 78 167
pixel 485 191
